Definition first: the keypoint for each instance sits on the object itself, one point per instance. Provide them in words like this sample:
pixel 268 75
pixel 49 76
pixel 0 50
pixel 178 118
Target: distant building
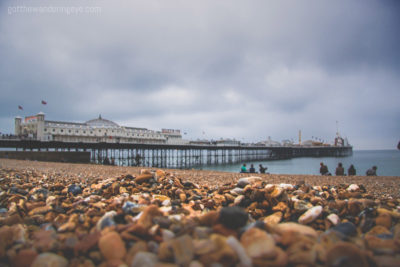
pixel 227 142
pixel 269 142
pixel 95 130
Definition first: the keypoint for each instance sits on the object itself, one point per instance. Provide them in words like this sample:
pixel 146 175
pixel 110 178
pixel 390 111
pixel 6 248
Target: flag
pixel 44 102
pixel 21 108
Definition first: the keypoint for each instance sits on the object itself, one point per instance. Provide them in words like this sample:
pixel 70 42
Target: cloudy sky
pixel 233 69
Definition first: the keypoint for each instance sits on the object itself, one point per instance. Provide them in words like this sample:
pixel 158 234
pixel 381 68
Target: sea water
pixel 387 161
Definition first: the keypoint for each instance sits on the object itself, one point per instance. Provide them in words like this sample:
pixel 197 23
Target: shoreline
pixel 378 186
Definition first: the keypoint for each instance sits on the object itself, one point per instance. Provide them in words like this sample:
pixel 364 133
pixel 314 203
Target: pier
pixel 174 156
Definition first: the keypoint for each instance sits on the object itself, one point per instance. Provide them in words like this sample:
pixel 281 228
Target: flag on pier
pixel 20 107
pixel 44 102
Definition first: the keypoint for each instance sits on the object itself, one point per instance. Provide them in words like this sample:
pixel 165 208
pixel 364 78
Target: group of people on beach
pixel 261 169
pixel 323 170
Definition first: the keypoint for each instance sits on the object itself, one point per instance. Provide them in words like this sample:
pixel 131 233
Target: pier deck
pixel 175 156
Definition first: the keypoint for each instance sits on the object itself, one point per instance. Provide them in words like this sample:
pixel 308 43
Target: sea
pixel 387 161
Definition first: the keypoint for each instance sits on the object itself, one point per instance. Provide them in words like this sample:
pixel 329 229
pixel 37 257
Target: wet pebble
pixel 233 217
pixel 74 189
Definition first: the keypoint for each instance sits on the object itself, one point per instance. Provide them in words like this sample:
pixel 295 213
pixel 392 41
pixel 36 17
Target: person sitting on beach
pixel 339 170
pixel 372 171
pixel 351 170
pixel 243 169
pixel 262 169
pixel 324 169
pixel 252 169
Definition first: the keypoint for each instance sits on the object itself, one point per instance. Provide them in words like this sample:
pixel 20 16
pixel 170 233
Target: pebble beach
pixel 58 214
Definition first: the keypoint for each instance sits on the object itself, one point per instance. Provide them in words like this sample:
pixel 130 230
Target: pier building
pixel 97 130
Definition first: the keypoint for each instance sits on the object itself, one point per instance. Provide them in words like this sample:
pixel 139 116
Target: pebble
pixel 107 220
pixel 233 217
pixel 74 189
pixel 346 228
pixel 242 182
pixel 310 215
pixel 111 246
pixel 258 243
pixel 333 218
pixel 48 259
pixel 144 259
pixel 245 260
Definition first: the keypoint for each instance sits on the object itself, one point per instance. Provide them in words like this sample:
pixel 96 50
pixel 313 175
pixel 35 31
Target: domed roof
pixel 100 122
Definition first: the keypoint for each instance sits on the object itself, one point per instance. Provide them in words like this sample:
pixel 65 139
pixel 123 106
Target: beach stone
pixel 223 230
pixel 277 192
pixel 242 182
pixel 40 210
pixel 183 250
pixel 48 259
pixel 384 219
pixel 149 213
pixel 233 217
pixel 45 240
pixel 112 246
pixel 144 259
pixel 203 246
pixel 258 243
pixel 74 189
pixel 378 230
pixel 244 259
pixel 19 233
pixel 87 242
pixel 353 187
pixel 295 228
pixel 209 218
pixel 12 219
pixel 333 218
pixel 222 255
pixel 24 258
pixel 238 200
pixel 310 215
pixel 142 178
pixel 237 191
pixel 382 246
pixel 107 220
pixel 346 228
pixel 346 254
pixel 274 218
pixel 302 206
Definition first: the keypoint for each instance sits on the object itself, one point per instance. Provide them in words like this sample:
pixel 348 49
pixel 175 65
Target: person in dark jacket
pixel 339 170
pixel 252 169
pixel 372 171
pixel 323 169
pixel 262 169
pixel 351 170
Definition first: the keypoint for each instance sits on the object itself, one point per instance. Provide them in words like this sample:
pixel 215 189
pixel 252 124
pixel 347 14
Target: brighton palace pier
pixel 105 142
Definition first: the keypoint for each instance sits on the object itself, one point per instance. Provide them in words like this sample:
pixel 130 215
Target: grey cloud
pixel 230 68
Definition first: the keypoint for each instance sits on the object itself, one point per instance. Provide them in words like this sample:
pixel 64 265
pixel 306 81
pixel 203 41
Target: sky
pixel 246 70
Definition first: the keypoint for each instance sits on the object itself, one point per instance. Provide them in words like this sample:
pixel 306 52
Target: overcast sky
pixel 232 69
